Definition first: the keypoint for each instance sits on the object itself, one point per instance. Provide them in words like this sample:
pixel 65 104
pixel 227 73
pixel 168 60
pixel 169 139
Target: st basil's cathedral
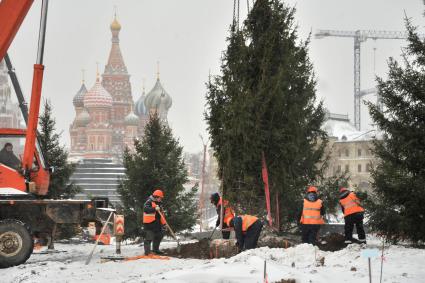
pixel 106 118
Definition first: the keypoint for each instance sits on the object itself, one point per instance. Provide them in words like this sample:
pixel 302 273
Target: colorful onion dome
pixel 78 99
pixel 131 119
pixel 158 96
pixel 83 119
pixel 139 107
pixel 97 96
pixel 115 25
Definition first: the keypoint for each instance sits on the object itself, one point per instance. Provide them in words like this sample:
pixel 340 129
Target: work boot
pixel 147 246
pixel 158 252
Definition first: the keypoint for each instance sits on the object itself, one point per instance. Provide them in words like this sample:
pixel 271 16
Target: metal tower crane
pixel 359 37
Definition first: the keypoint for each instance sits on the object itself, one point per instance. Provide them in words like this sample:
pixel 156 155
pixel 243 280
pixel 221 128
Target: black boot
pixel 147 246
pixel 156 242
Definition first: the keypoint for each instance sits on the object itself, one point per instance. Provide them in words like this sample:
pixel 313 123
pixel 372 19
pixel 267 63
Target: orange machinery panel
pixel 10 178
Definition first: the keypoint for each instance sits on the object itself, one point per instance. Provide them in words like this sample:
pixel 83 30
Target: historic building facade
pixel 106 118
pixel 350 151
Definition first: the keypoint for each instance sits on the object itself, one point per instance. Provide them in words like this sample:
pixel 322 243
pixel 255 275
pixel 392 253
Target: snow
pixel 345 131
pixel 402 264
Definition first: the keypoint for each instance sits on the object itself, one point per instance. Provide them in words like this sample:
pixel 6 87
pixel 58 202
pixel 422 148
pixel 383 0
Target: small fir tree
pixel 156 163
pixel 265 101
pixel 397 209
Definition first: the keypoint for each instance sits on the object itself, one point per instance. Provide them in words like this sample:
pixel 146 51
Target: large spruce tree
pixel 398 210
pixel 55 156
pixel 156 163
pixel 265 101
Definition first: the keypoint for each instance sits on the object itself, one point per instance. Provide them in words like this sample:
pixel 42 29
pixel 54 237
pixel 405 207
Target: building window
pixel 347 153
pixel 347 168
pixel 339 153
pixel 359 152
pixel 359 168
pixel 368 167
pixel 338 170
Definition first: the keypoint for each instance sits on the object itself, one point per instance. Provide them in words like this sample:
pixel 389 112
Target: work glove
pixel 217 223
pixel 157 208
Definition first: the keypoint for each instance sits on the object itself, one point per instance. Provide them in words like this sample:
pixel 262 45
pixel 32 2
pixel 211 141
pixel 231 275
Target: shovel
pixel 209 239
pixel 171 231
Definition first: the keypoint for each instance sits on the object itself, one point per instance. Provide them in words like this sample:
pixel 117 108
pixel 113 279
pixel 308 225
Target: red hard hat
pixel 311 189
pixel 343 189
pixel 158 193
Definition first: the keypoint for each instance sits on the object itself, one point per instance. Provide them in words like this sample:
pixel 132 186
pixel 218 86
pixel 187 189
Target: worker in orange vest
pixel 311 216
pixel 353 215
pixel 228 212
pixel 247 231
pixel 153 222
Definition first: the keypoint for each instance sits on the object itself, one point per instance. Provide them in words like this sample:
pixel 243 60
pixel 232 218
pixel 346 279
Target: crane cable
pixel 234 15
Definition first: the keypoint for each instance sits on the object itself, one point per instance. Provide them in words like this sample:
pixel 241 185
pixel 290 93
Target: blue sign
pixel 370 253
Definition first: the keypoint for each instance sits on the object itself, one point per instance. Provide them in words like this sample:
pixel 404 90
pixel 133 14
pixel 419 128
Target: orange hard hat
pixel 158 193
pixel 311 189
pixel 343 189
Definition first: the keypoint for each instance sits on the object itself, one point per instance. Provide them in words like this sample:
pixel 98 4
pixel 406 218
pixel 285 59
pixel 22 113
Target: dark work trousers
pixel 350 221
pixel 155 237
pixel 309 233
pixel 252 235
pixel 226 234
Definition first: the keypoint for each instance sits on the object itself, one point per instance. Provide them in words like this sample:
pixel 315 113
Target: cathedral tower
pixel 116 81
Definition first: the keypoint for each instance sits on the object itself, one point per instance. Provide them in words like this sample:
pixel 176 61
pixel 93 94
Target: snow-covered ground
pixel 401 265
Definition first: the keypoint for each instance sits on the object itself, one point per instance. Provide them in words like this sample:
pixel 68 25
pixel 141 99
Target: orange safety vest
pixel 247 221
pixel 351 204
pixel 229 214
pixel 311 212
pixel 150 217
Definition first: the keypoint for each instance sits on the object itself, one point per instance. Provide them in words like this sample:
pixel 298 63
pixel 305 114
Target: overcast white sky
pixel 188 37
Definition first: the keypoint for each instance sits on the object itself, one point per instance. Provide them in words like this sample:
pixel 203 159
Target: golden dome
pixel 115 25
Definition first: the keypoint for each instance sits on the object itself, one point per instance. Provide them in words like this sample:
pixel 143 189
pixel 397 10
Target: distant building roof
pixel 339 126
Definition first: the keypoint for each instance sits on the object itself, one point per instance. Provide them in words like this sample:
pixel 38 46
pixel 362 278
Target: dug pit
pixel 219 248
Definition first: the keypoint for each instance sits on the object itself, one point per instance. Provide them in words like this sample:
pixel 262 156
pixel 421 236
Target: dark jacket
pixel 147 208
pixel 218 209
pixel 9 159
pixel 215 201
pixel 237 222
pixel 311 197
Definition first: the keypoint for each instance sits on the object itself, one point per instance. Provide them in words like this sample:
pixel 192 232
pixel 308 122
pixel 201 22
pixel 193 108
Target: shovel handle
pixel 168 226
pixel 215 228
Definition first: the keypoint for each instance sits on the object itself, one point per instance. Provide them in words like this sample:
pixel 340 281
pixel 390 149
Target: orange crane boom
pixel 12 14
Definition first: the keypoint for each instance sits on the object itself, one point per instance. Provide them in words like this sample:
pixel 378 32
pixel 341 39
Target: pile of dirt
pixel 205 249
pixel 200 250
pixel 287 281
pixel 273 241
pixel 332 242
